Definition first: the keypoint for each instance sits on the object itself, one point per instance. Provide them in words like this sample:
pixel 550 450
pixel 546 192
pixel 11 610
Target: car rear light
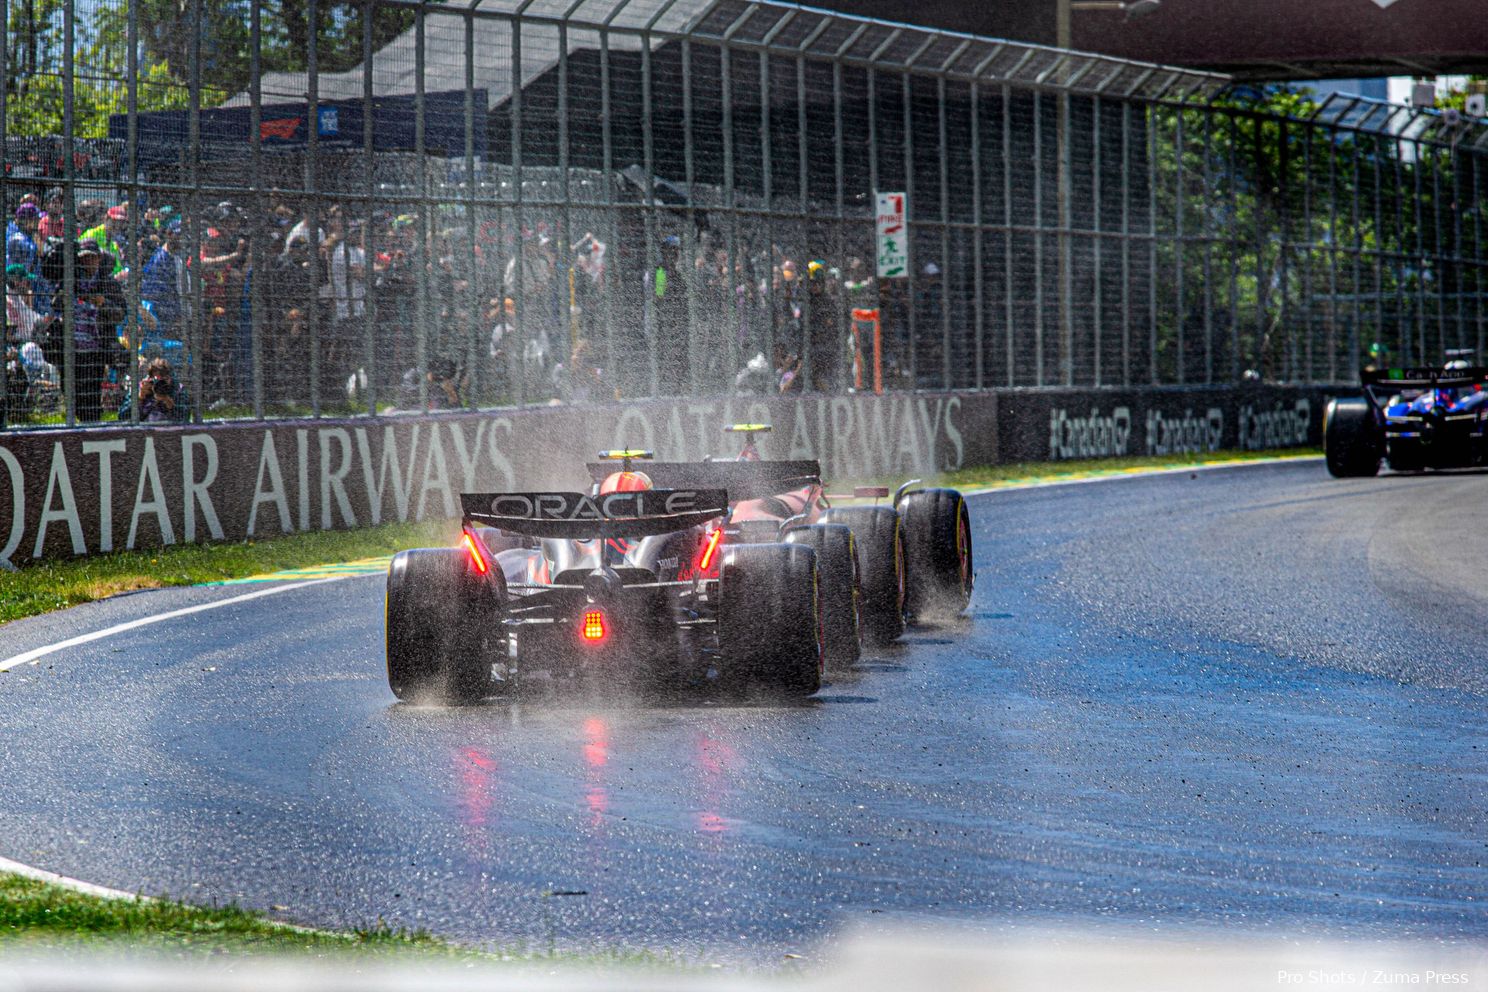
pixel 709 549
pixel 594 628
pixel 476 558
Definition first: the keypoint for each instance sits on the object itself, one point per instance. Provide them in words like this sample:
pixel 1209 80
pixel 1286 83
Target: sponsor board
pixel 79 492
pixel 1050 425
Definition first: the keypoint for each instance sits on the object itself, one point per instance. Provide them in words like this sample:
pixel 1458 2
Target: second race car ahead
pixel 630 584
pixel 1430 418
pixel 881 565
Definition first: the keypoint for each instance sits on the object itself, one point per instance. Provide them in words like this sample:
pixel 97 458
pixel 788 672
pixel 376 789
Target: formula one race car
pixel 879 565
pixel 629 583
pixel 1431 418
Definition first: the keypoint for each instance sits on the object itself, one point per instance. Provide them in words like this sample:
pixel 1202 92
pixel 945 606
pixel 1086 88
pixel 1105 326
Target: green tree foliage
pixel 34 85
pixel 1304 242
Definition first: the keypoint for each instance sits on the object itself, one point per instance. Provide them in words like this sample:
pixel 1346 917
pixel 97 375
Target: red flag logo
pixel 284 129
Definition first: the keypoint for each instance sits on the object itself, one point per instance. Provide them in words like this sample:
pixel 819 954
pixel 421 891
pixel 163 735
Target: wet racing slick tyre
pixel 769 623
pixel 882 577
pixel 837 577
pixel 937 549
pixel 439 615
pixel 1351 438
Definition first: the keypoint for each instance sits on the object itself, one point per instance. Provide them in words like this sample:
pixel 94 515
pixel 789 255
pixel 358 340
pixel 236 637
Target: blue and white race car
pixel 1429 419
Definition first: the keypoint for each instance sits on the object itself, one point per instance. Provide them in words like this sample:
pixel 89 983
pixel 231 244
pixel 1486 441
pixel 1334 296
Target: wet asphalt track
pixel 1251 699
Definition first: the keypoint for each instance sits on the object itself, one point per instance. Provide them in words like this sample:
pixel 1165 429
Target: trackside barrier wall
pixel 67 493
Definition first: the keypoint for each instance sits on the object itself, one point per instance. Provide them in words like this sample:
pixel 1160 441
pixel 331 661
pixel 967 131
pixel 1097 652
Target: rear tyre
pixel 1351 439
pixel 937 548
pixel 878 533
pixel 438 618
pixel 769 624
pixel 837 575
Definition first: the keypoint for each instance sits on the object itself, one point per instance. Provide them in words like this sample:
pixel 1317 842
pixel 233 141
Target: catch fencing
pixel 433 206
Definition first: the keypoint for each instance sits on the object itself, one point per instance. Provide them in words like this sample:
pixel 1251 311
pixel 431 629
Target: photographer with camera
pixel 162 399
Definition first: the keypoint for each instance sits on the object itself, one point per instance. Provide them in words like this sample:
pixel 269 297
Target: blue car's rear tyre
pixel 1352 441
pixel 882 571
pixel 770 634
pixel 837 574
pixel 438 619
pixel 937 546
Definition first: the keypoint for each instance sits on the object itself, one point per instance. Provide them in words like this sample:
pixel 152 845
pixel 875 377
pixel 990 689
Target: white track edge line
pixel 104 892
pixel 62 881
pixel 36 654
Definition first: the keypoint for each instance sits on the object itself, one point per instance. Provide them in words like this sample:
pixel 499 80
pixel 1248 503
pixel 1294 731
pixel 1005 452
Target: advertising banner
pixel 81 492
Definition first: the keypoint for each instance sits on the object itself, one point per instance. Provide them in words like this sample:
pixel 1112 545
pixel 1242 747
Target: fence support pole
pixel 312 185
pixel 258 233
pixel 370 359
pixel 978 232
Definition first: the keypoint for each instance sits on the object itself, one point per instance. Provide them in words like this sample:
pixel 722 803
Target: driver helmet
pixel 624 482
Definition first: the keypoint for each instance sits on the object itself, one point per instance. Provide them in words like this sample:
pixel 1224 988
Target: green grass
pixel 38 912
pixel 55 585
pixel 40 915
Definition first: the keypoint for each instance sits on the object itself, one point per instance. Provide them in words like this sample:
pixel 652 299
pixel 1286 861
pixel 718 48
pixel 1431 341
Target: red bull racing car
pixel 897 560
pixel 747 584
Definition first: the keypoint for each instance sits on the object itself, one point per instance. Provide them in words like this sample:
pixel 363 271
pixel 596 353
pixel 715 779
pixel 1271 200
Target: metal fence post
pixel 371 360
pixel 1097 242
pixel 911 192
pixel 1180 252
pixel 424 247
pixel 257 233
pixel 945 238
pixel 732 285
pixel 1126 244
pixel 472 257
pixel 312 185
pixel 128 377
pixel 978 232
pixel 1010 311
pixel 653 324
pixel 195 351
pixel 1038 239
pixel 69 172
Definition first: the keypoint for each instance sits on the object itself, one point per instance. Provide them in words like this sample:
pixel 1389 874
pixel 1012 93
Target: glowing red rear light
pixel 476 558
pixel 594 628
pixel 713 541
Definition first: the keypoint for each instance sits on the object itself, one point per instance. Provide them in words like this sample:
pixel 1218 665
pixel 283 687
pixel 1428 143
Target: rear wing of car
pixel 1426 378
pixel 580 517
pixel 742 480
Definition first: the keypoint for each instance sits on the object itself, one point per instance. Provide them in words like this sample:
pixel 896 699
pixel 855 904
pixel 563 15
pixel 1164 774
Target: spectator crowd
pixel 335 300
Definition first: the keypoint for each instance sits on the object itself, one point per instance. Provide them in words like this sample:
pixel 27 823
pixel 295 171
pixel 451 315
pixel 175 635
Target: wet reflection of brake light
pixel 596 756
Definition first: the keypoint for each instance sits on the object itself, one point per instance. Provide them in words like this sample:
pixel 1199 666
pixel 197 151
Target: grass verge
pixel 56 585
pixel 40 913
pixel 42 916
